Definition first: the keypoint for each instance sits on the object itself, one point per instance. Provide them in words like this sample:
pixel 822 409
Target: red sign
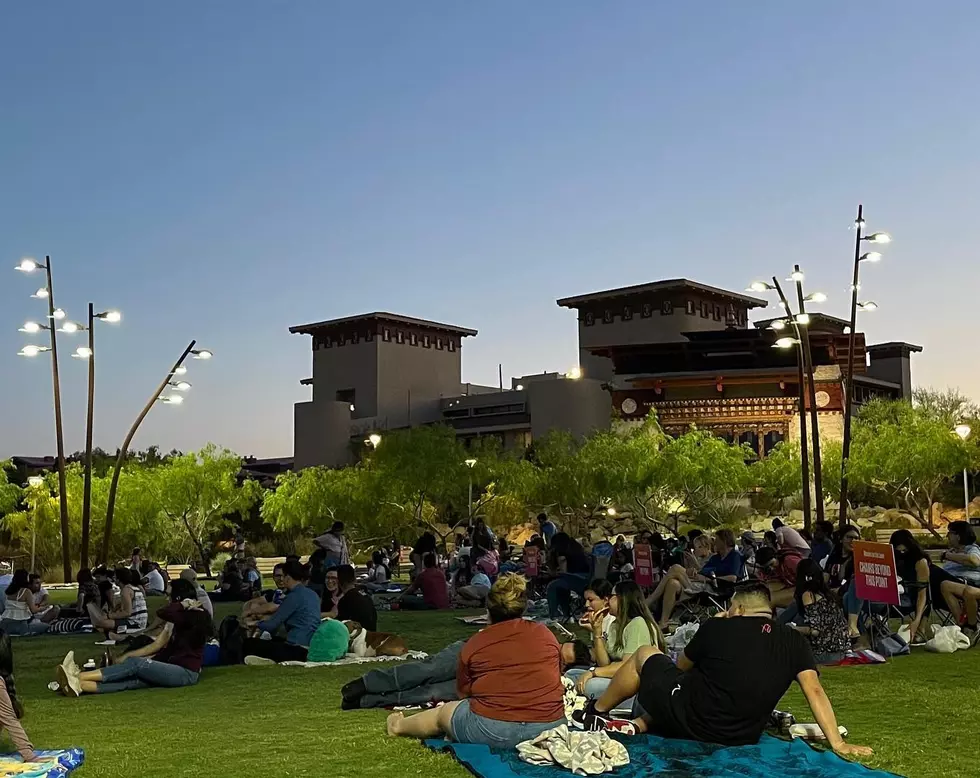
pixel 642 565
pixel 875 574
pixel 531 561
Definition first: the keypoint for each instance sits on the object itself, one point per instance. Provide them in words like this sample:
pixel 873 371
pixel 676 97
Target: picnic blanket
pixel 651 755
pixel 51 764
pixel 351 659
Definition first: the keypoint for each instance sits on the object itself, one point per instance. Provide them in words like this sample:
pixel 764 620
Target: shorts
pixel 470 727
pixel 659 678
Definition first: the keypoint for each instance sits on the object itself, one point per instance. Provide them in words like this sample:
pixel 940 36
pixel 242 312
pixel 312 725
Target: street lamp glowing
pixel 575 373
pixel 41 294
pixel 785 343
pixel 202 354
pixel 796 275
pixel 870 305
pixel 58 315
pixel 879 237
pixel 180 386
pixel 778 324
pixel 374 439
pixel 180 370
pixel 470 463
pixel 802 318
pixel 32 327
pixel 71 326
pixel 82 352
pixel 963 430
pixel 871 256
pixel 113 317
pixel 352 407
pixel 610 511
pixel 816 297
pixel 35 481
pixel 28 265
pixel 172 399
pixel 31 350
pixel 760 286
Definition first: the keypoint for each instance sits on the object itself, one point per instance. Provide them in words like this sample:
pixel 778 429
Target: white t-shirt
pixel 40 595
pixel 154 581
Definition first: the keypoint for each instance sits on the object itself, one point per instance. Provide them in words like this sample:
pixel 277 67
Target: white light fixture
pixel 59 314
pixel 113 317
pixel 202 353
pixel 82 352
pixel 963 430
pixel 785 343
pixel 520 387
pixel 816 297
pixel 28 265
pixel 70 327
pixel 879 237
pixel 374 439
pixel 802 318
pixel 180 386
pixel 35 480
pixel 870 305
pixel 352 407
pixel 31 350
pixel 871 256
pixel 41 294
pixel 797 276
pixel 172 399
pixel 575 373
pixel 610 511
pixel 778 324
pixel 180 370
pixel 760 286
pixel 470 463
pixel 32 327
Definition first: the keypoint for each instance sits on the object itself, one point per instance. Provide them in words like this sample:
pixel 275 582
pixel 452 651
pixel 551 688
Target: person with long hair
pixel 173 659
pixel 19 610
pixel 598 620
pixel 962 561
pixel 820 615
pixel 508 680
pixel 915 568
pixel 633 627
pixel 130 611
pixel 569 562
pixel 11 710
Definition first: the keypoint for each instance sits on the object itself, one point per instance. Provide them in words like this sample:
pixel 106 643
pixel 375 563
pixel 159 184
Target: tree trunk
pixel 197 543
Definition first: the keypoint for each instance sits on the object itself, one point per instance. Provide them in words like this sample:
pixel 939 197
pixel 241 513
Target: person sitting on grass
pixel 47 612
pixel 378 575
pixel 20 610
pixel 265 603
pixel 353 604
pixel 11 710
pixel 151 579
pixel 331 594
pixel 818 614
pixel 962 561
pixel 231 586
pixel 508 679
pixel 598 620
pixel 173 659
pixel 726 682
pixel 777 569
pixel 633 627
pixel 568 561
pixel 724 565
pixel 472 586
pixel 432 582
pixel 129 613
pixel 189 574
pixel 299 614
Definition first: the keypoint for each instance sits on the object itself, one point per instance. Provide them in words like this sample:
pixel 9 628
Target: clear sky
pixel 225 169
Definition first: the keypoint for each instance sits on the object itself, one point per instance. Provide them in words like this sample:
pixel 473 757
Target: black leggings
pixel 277 650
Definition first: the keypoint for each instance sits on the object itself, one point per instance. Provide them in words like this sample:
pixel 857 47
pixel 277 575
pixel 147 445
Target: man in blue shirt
pixel 823 544
pixel 299 613
pixel 548 528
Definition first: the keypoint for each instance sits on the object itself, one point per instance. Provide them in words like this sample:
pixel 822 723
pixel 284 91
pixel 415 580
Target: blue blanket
pixel 651 755
pixel 50 764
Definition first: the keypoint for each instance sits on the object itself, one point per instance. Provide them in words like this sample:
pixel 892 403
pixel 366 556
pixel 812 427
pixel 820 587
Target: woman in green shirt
pixel 634 626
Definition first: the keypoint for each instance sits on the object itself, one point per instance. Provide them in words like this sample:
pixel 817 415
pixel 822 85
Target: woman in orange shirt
pixel 508 678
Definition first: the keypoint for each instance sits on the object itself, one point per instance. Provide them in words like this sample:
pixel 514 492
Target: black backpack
pixel 231 641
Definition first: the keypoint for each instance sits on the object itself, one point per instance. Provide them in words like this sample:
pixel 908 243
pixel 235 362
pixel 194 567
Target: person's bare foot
pixel 394 723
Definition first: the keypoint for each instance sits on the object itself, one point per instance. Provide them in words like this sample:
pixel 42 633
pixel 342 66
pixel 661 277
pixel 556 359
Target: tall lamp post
pixel 470 464
pixel 963 431
pixel 28 265
pixel 859 257
pixel 171 399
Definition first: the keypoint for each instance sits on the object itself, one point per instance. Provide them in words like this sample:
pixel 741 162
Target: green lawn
pixel 917 712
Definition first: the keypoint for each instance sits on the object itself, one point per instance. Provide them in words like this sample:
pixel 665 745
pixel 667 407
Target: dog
pixel 364 643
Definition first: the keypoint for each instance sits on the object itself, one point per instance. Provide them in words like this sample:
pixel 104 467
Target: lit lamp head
pixel 41 294
pixel 180 370
pixel 816 297
pixel 963 430
pixel 31 350
pixel 760 286
pixel 785 343
pixel 610 511
pixel 28 265
pixel 58 315
pixel 82 352
pixel 180 386
pixel 33 327
pixel 879 237
pixel 172 399
pixel 374 440
pixel 202 353
pixel 70 327
pixel 35 481
pixel 802 318
pixel 575 373
pixel 113 317
pixel 871 256
pixel 778 324
pixel 470 463
pixel 797 276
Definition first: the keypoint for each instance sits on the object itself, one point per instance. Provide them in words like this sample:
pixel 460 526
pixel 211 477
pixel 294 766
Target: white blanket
pixel 351 659
pixel 584 753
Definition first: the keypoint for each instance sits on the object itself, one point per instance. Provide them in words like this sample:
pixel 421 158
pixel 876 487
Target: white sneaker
pixel 258 661
pixel 69 663
pixel 71 684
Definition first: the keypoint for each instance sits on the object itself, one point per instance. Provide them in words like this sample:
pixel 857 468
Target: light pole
pixel 871 256
pixel 963 431
pixel 177 369
pixel 88 352
pixel 28 265
pixel 470 464
pixel 35 482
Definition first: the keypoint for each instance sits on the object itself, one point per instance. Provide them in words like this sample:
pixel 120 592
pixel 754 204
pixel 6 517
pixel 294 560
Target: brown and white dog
pixel 364 643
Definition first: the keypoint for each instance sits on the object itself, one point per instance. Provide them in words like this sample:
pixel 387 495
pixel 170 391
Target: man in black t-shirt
pixel 726 682
pixel 354 605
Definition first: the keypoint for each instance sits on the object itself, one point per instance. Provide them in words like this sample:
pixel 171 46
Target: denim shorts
pixel 469 727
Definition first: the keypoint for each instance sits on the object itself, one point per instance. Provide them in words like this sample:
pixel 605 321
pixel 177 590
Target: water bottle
pixel 90 665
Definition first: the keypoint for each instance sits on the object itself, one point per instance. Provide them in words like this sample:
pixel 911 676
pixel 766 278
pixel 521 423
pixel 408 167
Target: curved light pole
pixel 871 256
pixel 177 369
pixel 54 314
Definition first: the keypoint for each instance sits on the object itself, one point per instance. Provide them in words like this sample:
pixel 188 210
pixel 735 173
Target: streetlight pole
pixel 89 421
pixel 963 431
pixel 812 393
pixel 470 464
pixel 110 506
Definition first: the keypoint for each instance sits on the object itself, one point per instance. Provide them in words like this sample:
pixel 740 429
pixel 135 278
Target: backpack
pixel 231 641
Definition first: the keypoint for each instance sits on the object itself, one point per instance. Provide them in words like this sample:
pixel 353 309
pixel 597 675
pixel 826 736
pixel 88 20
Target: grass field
pixel 241 722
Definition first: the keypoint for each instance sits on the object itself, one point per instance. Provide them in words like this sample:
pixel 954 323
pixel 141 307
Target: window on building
pixel 439 344
pixel 770 441
pixel 690 307
pixel 452 344
pixel 646 310
pixel 399 336
pixel 667 308
pixel 705 310
pixel 386 334
pixel 717 312
pixel 627 312
pixel 426 341
pixel 413 339
pixel 750 438
pixel 607 317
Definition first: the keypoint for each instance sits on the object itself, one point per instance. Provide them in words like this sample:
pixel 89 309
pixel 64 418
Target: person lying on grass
pixel 173 659
pixel 507 676
pixel 725 684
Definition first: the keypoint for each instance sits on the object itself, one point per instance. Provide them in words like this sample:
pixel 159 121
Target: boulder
pixel 794 518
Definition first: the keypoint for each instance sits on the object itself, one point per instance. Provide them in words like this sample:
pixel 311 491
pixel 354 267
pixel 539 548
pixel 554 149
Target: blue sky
pixel 223 170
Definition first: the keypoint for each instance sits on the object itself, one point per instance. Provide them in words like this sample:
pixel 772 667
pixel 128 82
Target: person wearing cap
pixel 190 575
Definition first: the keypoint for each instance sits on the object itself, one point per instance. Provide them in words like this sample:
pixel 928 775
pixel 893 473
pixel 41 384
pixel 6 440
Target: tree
pixel 9 493
pixel 908 453
pixel 200 491
pixel 945 405
pixel 780 473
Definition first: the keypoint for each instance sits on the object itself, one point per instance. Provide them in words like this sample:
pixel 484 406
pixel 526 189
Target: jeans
pixel 469 727
pixel 277 650
pixel 854 605
pixel 560 593
pixel 140 672
pixel 789 613
pixel 18 627
pixel 594 688
pixel 414 683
